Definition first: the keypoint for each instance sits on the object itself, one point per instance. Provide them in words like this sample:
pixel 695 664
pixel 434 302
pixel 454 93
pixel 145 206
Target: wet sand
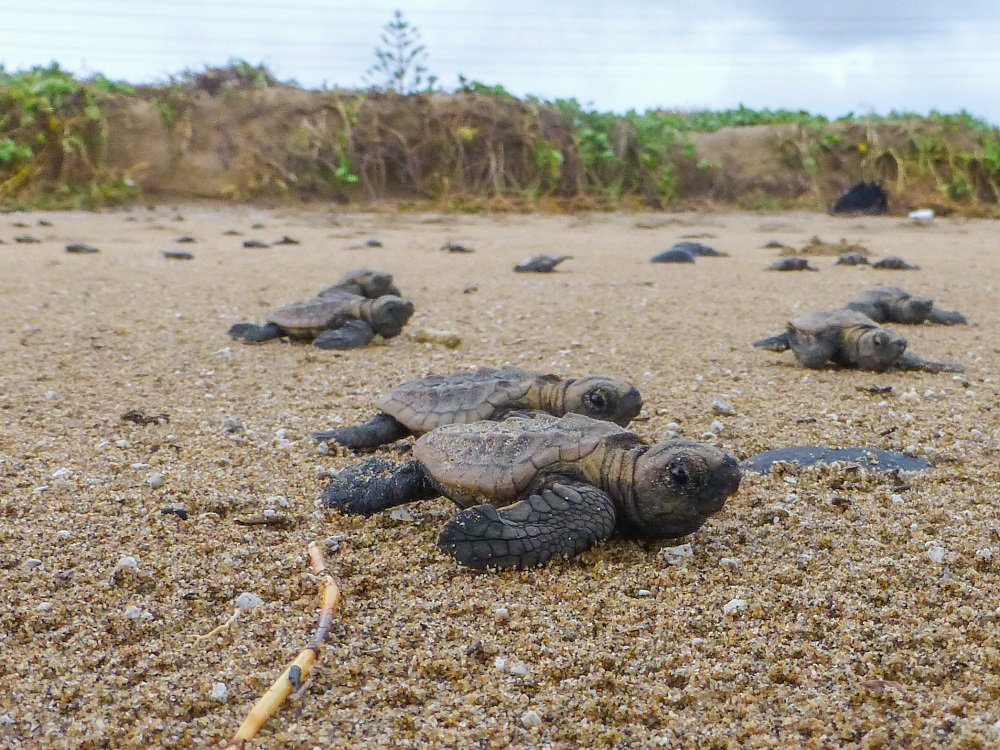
pixel 871 604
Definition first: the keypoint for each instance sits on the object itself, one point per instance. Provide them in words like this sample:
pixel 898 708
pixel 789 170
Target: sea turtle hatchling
pixel 537 486
pixel 890 304
pixel 794 263
pixel 894 263
pixel 850 339
pixel 699 250
pixel 418 406
pixel 365 282
pixel 540 263
pixel 852 258
pixel 336 320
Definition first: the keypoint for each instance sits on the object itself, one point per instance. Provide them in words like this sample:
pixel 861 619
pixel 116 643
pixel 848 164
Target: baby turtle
pixel 674 255
pixel 890 304
pixel 536 486
pixel 81 248
pixel 698 249
pixel 852 259
pixel 285 240
pixel 541 263
pixel 255 243
pixel 337 320
pixel 894 263
pixel 791 264
pixel 178 255
pixel 365 282
pixel 419 406
pixel 872 459
pixel 850 339
pixel 455 247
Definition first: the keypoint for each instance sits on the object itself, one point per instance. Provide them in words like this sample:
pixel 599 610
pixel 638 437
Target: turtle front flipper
pixel 379 430
pixel 564 518
pixel 353 334
pixel 947 317
pixel 376 484
pixel 911 361
pixel 777 343
pixel 256 334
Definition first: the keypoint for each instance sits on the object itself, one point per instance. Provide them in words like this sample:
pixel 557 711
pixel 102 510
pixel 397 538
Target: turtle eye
pixel 597 400
pixel 679 475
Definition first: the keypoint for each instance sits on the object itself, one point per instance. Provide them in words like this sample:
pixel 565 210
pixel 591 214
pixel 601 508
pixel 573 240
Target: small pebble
pixel 729 562
pixel 716 427
pixel 155 481
pixel 5 720
pixel 520 670
pixel 896 499
pixel 133 613
pixel 734 606
pixel 402 514
pixel 122 443
pixel 246 600
pixel 500 662
pixel 127 562
pixel 332 543
pixel 63 535
pixel 935 552
pixel 220 692
pixel 32 562
pixel 722 408
pixel 677 555
pixel 502 614
pixel 44 606
pixel 60 473
pixel 642 593
pixel 531 720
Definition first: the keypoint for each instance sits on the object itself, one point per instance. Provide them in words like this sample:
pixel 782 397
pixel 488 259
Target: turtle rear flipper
pixel 564 518
pixel 256 334
pixel 947 318
pixel 376 484
pixel 351 335
pixel 379 430
pixel 911 361
pixel 777 343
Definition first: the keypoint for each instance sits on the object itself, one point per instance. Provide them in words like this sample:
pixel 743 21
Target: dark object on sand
pixel 26 239
pixel 673 255
pixel 872 459
pixel 81 248
pixel 698 249
pixel 541 264
pixel 255 243
pixel 852 259
pixel 178 255
pixel 373 243
pixel 186 239
pixel 534 487
pixel 454 247
pixel 894 263
pixel 890 304
pixel 286 240
pixel 791 264
pixel 863 198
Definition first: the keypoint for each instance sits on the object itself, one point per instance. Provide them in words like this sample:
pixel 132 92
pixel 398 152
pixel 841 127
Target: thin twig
pixel 297 673
pixel 220 628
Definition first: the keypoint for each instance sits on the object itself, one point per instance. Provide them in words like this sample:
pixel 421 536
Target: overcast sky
pixel 828 57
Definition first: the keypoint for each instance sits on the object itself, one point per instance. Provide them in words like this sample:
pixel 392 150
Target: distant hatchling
pixel 541 263
pixel 894 263
pixel 791 264
pixel 346 315
pixel 698 249
pixel 852 259
pixel 850 339
pixel 674 255
pixel 419 406
pixel 534 487
pixel 890 304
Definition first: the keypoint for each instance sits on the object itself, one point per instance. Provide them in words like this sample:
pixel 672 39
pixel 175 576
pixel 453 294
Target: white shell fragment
pixel 531 720
pixel 734 606
pixel 677 555
pixel 246 600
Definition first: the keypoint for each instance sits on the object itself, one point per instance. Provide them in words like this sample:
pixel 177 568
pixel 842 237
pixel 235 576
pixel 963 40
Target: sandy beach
pixel 870 602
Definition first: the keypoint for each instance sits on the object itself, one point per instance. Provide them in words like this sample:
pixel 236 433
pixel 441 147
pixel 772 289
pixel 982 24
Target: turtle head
pixel 878 349
pixel 605 398
pixel 915 309
pixel 389 314
pixel 678 485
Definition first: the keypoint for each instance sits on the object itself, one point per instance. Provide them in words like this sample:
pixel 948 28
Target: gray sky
pixel 827 57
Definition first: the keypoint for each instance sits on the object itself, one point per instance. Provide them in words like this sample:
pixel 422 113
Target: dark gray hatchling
pixel 890 304
pixel 365 282
pixel 337 320
pixel 421 405
pixel 791 264
pixel 674 255
pixel 540 264
pixel 849 339
pixel 894 263
pixel 852 259
pixel 535 486
pixel 699 250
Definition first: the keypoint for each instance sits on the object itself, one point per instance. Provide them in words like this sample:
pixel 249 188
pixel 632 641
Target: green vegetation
pixel 477 147
pixel 52 137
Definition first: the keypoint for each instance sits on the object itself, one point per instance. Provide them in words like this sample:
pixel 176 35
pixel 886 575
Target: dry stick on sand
pixel 297 672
